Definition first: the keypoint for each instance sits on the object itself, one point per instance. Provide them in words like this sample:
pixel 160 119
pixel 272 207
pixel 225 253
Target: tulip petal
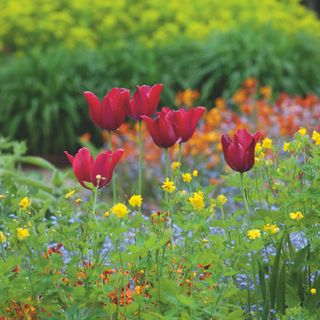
pixel 69 156
pixel 94 107
pixel 82 165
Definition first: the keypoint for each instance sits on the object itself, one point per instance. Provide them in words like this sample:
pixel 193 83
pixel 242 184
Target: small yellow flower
pixel 78 200
pixel 187 177
pixel 267 143
pixel 316 137
pixel 175 165
pixel 136 201
pixel 25 203
pixel 254 234
pixel 69 194
pixel 168 186
pixel 2 237
pixel 120 210
pixel 272 228
pixel 195 173
pixel 222 200
pixel 313 291
pixel 302 131
pixel 205 241
pixel 107 214
pixel 22 233
pixel 296 215
pixel 2 196
pixel 197 200
pixel 258 147
pixel 286 147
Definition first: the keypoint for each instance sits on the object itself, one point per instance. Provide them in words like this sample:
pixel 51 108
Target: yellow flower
pixel 296 215
pixel 222 200
pixel 272 228
pixel 187 177
pixel 205 241
pixel 267 143
pixel 69 194
pixel 302 131
pixel 107 214
pixel 313 290
pixel 195 173
pixel 316 137
pixel 258 147
pixel 2 196
pixel 135 201
pixel 22 233
pixel 197 200
pixel 25 203
pixel 286 147
pixel 254 234
pixel 168 186
pixel 2 237
pixel 120 210
pixel 175 165
pixel 78 200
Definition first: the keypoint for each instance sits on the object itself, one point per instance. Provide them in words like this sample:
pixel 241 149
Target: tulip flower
pixel 239 153
pixel 162 128
pixel 145 101
pixel 185 122
pixel 94 173
pixel 111 112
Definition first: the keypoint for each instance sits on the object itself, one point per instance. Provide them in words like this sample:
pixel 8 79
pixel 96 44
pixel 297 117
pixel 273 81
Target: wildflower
pixel 254 234
pixel 258 147
pixel 296 215
pixel 302 131
pixel 267 143
pixel 69 194
pixel 313 291
pixel 316 137
pixel 22 233
pixel 197 200
pixel 2 196
pixel 107 214
pixel 2 237
pixel 135 201
pixel 195 173
pixel 25 203
pixel 239 152
pixel 175 165
pixel 168 186
pixel 78 200
pixel 204 241
pixel 120 210
pixel 286 147
pixel 222 199
pixel 187 177
pixel 272 228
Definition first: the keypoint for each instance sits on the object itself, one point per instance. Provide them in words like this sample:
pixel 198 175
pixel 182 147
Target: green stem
pixel 166 169
pixel 140 158
pixel 244 198
pixel 180 152
pixel 94 201
pixel 114 177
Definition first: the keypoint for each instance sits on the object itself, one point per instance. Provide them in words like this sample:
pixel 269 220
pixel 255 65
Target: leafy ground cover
pixel 246 248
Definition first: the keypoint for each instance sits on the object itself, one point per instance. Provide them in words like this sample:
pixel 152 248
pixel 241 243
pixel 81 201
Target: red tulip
pixel 145 101
pixel 185 122
pixel 161 129
pixel 97 172
pixel 240 153
pixel 111 112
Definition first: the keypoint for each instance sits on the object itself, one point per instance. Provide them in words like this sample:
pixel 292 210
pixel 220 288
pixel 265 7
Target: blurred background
pixel 52 51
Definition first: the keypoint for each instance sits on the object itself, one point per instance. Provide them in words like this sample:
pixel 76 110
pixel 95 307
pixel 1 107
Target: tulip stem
pixel 244 197
pixel 94 200
pixel 166 169
pixel 140 158
pixel 114 178
pixel 180 152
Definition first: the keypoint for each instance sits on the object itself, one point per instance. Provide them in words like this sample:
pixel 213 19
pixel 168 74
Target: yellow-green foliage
pixel 94 23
